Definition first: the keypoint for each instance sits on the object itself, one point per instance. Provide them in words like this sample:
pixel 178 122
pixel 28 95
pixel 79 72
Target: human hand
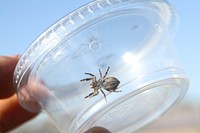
pixel 11 113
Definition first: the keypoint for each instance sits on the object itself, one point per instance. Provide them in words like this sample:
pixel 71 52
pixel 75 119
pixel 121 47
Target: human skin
pixel 12 114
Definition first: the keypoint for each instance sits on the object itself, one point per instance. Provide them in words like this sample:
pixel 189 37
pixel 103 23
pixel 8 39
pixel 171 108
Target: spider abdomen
pixel 110 83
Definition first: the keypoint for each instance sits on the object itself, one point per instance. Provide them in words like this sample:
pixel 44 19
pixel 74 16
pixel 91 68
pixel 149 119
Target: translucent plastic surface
pixel 132 38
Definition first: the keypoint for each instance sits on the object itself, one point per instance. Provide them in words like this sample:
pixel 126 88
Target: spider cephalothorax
pixel 108 83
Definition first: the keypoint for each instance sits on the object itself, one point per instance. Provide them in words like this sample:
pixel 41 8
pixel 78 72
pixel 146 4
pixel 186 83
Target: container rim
pixel 77 18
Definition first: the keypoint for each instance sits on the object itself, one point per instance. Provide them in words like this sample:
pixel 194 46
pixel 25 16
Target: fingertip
pixel 98 130
pixel 7 66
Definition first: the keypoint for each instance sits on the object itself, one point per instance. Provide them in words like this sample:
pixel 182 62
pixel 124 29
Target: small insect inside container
pixel 110 84
pixel 131 41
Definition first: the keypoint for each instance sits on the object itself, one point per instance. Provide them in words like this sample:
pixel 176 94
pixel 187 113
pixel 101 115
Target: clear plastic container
pixel 133 38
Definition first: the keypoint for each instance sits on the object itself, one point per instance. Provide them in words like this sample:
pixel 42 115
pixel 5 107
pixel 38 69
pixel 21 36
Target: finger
pixel 12 114
pixel 7 66
pixel 98 130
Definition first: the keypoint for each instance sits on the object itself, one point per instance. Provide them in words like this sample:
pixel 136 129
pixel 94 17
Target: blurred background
pixel 23 21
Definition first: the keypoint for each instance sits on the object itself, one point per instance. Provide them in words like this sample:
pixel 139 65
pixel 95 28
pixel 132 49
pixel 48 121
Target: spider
pixel 108 83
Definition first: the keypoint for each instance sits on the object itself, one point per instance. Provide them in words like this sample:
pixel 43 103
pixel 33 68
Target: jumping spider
pixel 108 83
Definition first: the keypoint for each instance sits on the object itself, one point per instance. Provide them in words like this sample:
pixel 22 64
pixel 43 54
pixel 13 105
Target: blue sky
pixel 23 21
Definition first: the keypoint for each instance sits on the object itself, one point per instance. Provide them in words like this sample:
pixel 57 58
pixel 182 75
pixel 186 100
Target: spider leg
pixel 106 72
pixel 86 79
pixel 100 73
pixel 92 94
pixel 90 74
pixel 93 76
pixel 103 94
pixel 115 91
